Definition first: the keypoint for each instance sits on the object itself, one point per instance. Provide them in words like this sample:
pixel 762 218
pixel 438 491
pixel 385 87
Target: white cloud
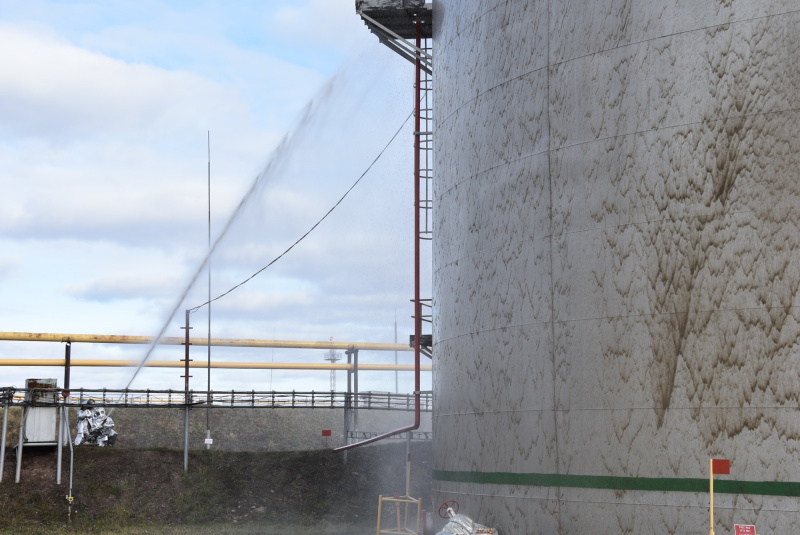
pixel 9 266
pixel 126 284
pixel 326 23
pixel 51 89
pixel 106 108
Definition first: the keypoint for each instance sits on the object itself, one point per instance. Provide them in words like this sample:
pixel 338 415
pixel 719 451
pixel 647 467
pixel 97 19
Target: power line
pixel 309 231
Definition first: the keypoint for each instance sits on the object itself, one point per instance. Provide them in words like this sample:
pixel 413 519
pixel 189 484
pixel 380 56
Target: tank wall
pixel 615 261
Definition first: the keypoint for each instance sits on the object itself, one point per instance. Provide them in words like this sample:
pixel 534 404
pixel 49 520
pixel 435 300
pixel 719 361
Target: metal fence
pixel 229 399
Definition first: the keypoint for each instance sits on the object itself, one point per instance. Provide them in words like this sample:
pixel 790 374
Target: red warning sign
pixel 721 466
pixel 744 529
pixel 326 433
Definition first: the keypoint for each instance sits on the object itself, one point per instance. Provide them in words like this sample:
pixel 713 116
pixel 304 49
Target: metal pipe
pixel 208 310
pixel 177 341
pixel 109 363
pixel 186 440
pixel 187 398
pixel 355 389
pixel 71 464
pixel 417 240
pixel 186 355
pixel 22 421
pixel 408 464
pixel 3 443
pixel 67 359
pixel 60 445
pixel 348 403
pixel 62 413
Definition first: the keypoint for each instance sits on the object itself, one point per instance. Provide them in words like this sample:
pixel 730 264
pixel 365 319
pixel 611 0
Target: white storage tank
pixel 617 263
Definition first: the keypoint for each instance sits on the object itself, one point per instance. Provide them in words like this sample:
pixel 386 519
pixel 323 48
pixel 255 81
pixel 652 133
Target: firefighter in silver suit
pixel 85 415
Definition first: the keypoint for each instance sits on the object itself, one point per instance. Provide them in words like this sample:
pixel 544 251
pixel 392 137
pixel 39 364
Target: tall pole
pixel 711 496
pixel 186 440
pixel 208 388
pixel 186 344
pixel 186 397
pixel 396 382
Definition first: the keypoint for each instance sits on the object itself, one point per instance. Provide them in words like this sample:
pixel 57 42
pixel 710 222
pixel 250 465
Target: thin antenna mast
pixel 208 395
pixel 396 383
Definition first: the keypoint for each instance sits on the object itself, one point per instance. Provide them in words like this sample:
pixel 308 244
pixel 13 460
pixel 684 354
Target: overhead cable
pixel 315 225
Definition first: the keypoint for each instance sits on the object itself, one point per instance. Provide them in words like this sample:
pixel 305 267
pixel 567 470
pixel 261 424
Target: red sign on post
pixel 743 529
pixel 326 433
pixel 721 466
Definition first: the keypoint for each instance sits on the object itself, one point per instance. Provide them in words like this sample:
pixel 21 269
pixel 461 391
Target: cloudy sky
pixel 105 114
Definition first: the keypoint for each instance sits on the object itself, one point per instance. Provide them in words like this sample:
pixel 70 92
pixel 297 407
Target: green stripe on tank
pixel 664 484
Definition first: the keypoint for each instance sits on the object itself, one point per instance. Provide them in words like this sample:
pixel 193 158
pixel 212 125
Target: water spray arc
pixel 274 165
pixel 423 62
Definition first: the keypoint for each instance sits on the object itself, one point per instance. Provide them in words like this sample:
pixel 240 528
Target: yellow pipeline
pixel 198 364
pixel 174 340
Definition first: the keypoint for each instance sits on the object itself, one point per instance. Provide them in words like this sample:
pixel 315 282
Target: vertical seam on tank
pixel 552 271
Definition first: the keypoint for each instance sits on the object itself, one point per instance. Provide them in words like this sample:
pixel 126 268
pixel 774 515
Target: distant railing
pixel 7 394
pixel 222 399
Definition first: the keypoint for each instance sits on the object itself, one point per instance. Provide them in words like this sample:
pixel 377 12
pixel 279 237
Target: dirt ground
pixel 122 489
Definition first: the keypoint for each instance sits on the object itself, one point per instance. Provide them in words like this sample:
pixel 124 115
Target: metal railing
pixel 219 399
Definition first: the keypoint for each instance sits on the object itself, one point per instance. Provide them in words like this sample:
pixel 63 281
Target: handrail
pixel 107 397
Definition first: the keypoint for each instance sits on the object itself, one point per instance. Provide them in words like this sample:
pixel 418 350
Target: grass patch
pixel 217 528
pixel 131 491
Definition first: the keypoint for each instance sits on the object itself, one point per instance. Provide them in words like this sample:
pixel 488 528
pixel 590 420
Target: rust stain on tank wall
pixel 720 245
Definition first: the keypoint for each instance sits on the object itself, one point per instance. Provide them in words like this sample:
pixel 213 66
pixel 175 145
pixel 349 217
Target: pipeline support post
pixel 23 418
pixel 67 366
pixel 63 432
pixel 63 414
pixel 186 440
pixel 3 443
pixel 355 388
pixel 348 400
pixel 187 395
pixel 186 343
pixel 60 439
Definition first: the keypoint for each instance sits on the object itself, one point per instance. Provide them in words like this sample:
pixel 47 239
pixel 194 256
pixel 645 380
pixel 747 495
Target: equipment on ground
pixel 461 524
